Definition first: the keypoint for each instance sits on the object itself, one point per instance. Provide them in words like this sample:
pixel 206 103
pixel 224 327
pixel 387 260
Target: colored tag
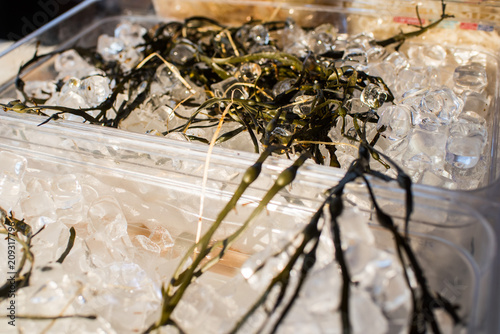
pixel 484 27
pixel 468 26
pixel 448 24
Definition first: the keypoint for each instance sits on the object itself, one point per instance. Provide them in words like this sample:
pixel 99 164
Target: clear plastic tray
pixel 464 32
pixel 468 242
pixel 454 243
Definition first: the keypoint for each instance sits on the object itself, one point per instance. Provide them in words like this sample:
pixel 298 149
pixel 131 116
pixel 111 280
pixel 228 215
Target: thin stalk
pixel 205 172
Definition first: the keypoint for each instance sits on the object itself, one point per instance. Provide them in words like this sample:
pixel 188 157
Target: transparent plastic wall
pixel 469 30
pixel 155 179
pixel 474 26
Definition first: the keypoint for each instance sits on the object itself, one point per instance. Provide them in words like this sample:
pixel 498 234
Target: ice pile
pixel 436 128
pixel 122 47
pixel 101 276
pixel 125 250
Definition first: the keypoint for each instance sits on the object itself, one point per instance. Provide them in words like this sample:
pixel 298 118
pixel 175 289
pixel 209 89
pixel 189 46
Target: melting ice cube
pixel 470 77
pixel 463 152
pixel 373 96
pixel 397 121
pixel 441 103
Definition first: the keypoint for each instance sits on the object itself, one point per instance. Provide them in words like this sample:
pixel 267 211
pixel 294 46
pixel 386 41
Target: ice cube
pixel 70 63
pixel 259 35
pixel 40 89
pixel 313 294
pixel 195 93
pixel 321 39
pixel 366 317
pixel 297 49
pixel 327 28
pixel 390 291
pixel 434 55
pixel 354 226
pixel 161 236
pixel 439 106
pixel 147 244
pixel 470 77
pixel 340 43
pixel 109 47
pixel 468 137
pixel 39 204
pixel 299 320
pixel 398 60
pixel 373 96
pixel 376 53
pixel 464 56
pixel 355 57
pixel 106 216
pixel 295 39
pixel 131 34
pixel 66 191
pixel 302 105
pixel 248 72
pixel 436 179
pixel 125 295
pixel 346 154
pixel 426 149
pixel 165 77
pixel 415 56
pixel 362 41
pixel 470 124
pixel 440 76
pixel 115 49
pixel 408 79
pixel 463 152
pixel 49 292
pixel 476 102
pixel 182 53
pixel 396 120
pixel 70 99
pixel 385 70
pixel 283 86
pixel 356 106
pixel 128 58
pixel 52 241
pixel 197 303
pixel 95 89
pixel 229 88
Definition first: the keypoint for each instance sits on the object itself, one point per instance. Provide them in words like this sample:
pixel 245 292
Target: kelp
pixel 220 53
pixel 18 233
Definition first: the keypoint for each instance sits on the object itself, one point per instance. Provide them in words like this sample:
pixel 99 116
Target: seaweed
pixel 17 232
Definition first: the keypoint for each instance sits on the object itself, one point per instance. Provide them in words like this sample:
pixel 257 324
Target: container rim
pixel 321 177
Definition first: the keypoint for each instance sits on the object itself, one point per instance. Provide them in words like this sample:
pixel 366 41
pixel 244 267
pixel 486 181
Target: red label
pixel 468 26
pixel 408 20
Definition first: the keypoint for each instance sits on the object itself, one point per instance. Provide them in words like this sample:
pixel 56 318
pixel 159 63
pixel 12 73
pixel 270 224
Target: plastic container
pixel 459 231
pixel 465 32
pixel 167 176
